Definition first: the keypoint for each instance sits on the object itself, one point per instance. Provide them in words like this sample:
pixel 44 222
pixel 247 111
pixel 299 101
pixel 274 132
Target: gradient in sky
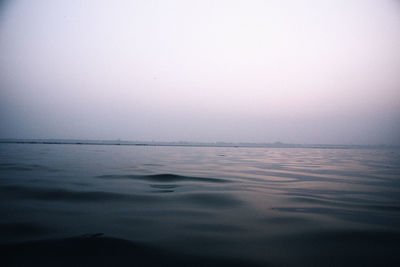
pixel 238 71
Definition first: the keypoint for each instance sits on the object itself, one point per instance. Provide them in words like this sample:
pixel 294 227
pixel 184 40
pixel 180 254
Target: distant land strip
pixel 190 144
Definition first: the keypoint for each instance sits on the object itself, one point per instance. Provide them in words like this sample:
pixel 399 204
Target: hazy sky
pixel 242 71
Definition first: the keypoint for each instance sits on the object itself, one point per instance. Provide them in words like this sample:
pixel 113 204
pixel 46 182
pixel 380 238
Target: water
pixel 274 206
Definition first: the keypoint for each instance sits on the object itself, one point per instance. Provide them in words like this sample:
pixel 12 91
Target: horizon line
pixel 276 144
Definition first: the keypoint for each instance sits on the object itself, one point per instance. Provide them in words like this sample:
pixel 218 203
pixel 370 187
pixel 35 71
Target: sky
pixel 308 72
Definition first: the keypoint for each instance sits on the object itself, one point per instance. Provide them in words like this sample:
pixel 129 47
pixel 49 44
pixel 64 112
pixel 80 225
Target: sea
pixel 267 206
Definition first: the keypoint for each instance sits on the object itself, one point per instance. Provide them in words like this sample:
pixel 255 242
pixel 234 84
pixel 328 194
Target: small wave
pixel 311 210
pixel 24 167
pixel 212 200
pixel 56 194
pixel 165 178
pixel 164 186
pixel 286 220
pixel 162 191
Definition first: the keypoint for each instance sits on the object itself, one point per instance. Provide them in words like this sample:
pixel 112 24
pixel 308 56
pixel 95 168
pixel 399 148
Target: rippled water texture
pixel 277 206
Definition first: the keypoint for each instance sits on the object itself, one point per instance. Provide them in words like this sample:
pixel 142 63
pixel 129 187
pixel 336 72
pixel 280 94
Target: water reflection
pixel 278 202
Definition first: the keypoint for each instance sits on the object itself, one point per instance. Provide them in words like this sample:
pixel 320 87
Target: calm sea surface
pixel 278 206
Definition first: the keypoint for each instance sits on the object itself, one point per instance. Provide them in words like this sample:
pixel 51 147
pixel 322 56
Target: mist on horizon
pixel 203 71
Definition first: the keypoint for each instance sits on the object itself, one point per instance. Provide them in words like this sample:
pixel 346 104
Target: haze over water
pixel 278 206
pixel 299 71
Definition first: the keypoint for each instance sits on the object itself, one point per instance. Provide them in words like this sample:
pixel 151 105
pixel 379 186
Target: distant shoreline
pixel 189 144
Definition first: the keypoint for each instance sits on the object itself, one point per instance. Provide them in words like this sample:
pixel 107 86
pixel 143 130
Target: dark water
pixel 272 206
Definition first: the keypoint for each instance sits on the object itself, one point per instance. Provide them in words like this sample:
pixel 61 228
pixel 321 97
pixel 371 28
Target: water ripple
pixel 165 178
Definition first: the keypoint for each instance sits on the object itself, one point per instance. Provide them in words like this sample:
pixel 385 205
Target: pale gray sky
pixel 221 70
